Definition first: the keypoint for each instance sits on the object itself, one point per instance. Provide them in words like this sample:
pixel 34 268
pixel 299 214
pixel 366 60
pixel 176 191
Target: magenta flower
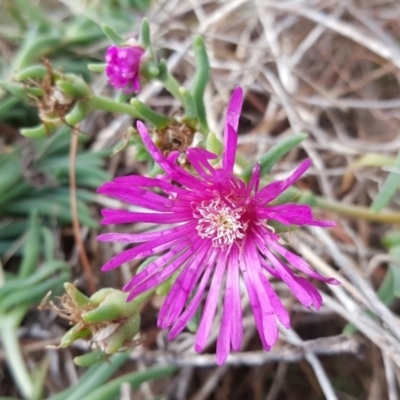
pixel 220 240
pixel 123 67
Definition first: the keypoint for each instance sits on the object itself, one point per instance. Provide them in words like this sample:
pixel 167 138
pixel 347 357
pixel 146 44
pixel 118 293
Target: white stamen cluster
pixel 220 222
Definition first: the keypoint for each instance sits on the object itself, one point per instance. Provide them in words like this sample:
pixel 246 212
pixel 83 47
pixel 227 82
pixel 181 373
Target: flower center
pixel 220 222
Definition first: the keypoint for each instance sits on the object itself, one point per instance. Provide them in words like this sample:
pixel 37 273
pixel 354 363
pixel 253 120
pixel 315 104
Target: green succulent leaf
pixel 113 36
pixel 272 156
pixel 389 188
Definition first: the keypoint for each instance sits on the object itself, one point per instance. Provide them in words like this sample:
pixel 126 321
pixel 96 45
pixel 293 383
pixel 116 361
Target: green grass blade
pixel 272 156
pixel 112 389
pixel 389 188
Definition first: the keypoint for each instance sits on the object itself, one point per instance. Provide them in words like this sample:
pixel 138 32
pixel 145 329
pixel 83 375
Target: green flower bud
pixel 38 131
pixel 113 36
pixel 90 358
pixel 163 71
pixel 281 228
pixel 98 67
pixel 112 305
pixel 188 104
pixel 32 72
pixel 144 38
pixel 214 144
pixel 79 298
pixel 75 333
pixel 36 92
pixel 158 120
pixel 288 196
pixel 308 198
pixel 78 112
pixel 121 337
pixel 149 69
pixel 105 319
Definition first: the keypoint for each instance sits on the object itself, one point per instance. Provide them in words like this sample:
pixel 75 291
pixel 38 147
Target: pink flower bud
pixel 123 67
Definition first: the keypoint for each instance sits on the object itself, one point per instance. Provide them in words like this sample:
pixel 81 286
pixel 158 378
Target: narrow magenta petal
pixel 136 195
pixel 311 290
pixel 291 280
pixel 291 214
pixel 152 148
pixel 183 286
pixel 197 165
pixel 140 237
pixel 154 183
pixel 198 158
pixel 224 335
pixel 234 108
pixel 228 158
pixel 136 84
pixel 125 237
pixel 156 279
pixel 189 312
pixel 279 309
pixel 231 330
pixel 253 270
pixel 323 224
pixel 141 251
pixel 255 305
pixel 233 282
pixel 254 179
pixel 231 128
pixel 299 263
pixel 148 249
pixel 156 266
pixel 184 178
pixel 274 189
pixel 112 216
pixel 266 265
pixel 211 304
pixel 228 320
pixel 178 194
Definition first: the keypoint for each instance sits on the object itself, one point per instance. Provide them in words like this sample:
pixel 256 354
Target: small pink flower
pixel 123 67
pixel 220 240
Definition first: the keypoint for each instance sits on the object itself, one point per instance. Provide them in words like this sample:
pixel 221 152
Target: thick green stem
pixel 160 121
pixel 106 104
pixel 173 86
pixel 9 334
pixel 200 81
pixel 358 212
pixel 136 109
